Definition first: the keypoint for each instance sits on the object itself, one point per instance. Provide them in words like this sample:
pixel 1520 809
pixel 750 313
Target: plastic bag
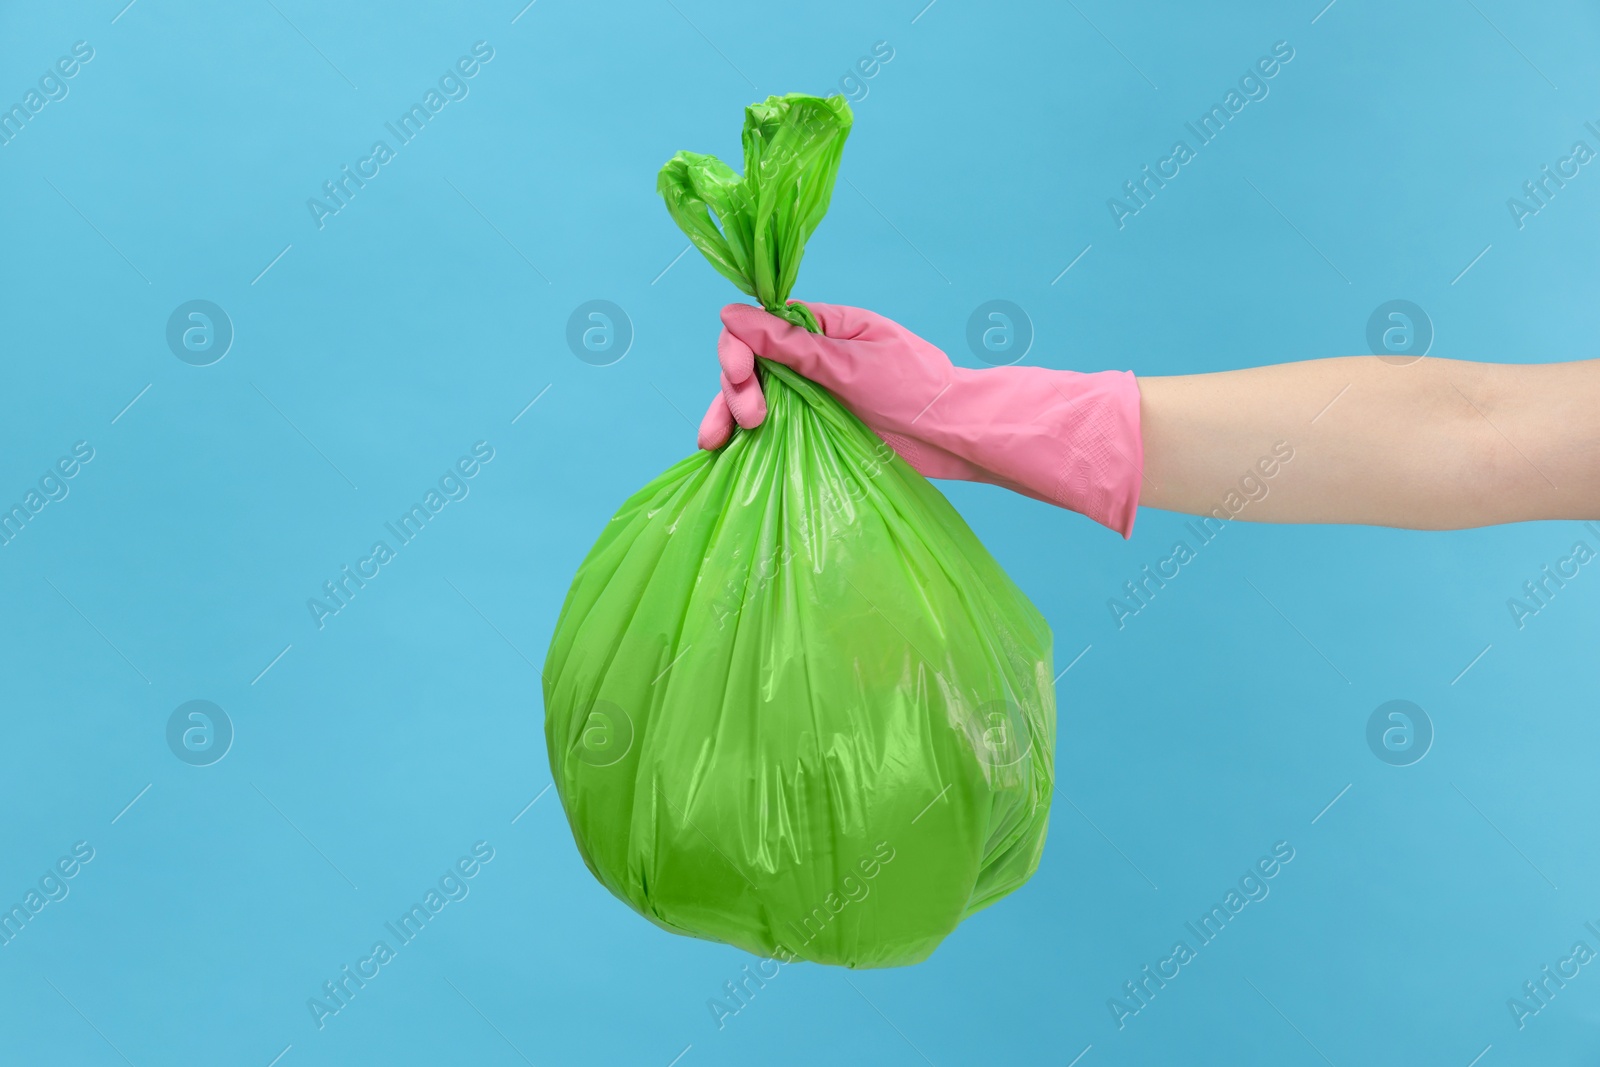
pixel 791 703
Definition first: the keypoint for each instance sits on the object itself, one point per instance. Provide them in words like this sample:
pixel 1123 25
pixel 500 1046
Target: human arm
pixel 1432 444
pixel 1429 444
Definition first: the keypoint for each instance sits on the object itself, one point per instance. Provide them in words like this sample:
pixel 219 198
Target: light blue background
pixel 428 313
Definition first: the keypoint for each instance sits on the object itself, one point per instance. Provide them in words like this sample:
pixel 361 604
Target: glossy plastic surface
pixel 792 703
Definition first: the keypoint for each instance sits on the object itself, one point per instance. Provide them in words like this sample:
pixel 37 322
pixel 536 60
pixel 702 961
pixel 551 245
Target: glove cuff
pixel 1068 438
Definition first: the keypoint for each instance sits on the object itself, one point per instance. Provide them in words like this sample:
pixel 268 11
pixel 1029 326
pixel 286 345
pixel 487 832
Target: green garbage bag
pixel 791 703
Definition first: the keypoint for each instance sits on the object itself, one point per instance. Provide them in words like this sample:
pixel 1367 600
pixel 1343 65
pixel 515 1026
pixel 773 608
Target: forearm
pixel 1434 444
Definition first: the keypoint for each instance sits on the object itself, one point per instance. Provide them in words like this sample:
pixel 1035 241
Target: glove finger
pixel 813 355
pixel 717 426
pixel 745 401
pixel 735 356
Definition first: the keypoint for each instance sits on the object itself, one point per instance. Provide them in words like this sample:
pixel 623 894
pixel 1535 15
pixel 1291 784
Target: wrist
pixel 1066 437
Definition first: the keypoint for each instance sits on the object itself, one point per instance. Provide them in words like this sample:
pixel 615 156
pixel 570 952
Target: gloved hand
pixel 1064 437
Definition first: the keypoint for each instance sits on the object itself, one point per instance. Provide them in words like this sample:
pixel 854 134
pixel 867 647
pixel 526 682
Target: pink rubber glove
pixel 1064 437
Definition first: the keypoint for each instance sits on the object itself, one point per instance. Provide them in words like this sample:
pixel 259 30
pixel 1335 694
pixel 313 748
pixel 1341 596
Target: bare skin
pixel 1433 444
